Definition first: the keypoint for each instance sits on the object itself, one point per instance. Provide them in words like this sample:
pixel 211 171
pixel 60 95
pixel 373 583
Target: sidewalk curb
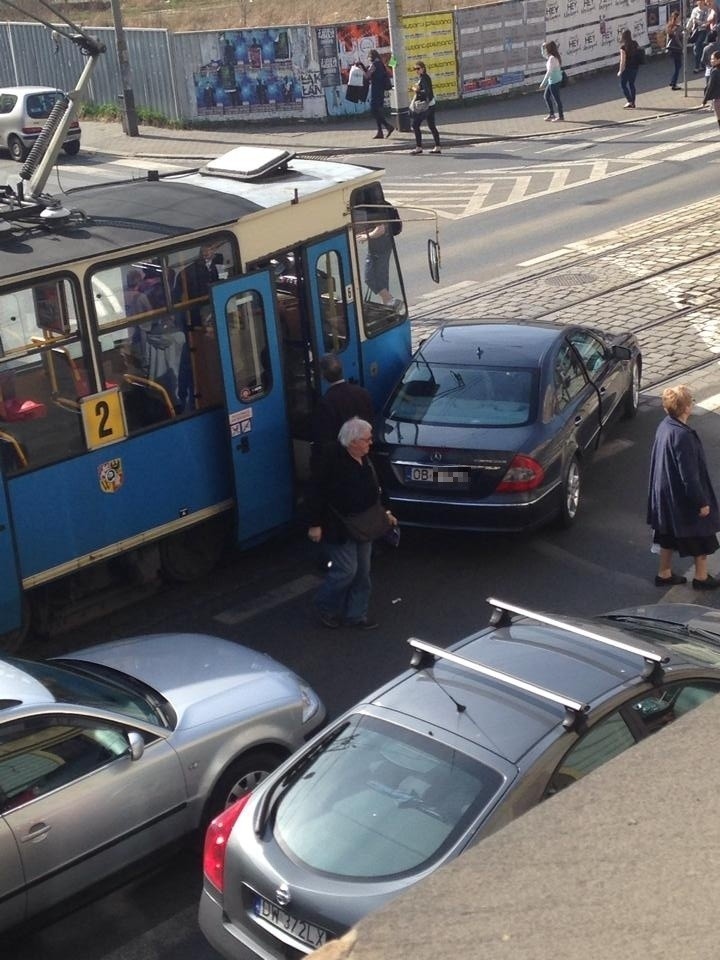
pixel 399 147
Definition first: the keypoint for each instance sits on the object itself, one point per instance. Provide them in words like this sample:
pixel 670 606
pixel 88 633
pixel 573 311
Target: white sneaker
pixel 436 150
pixel 415 151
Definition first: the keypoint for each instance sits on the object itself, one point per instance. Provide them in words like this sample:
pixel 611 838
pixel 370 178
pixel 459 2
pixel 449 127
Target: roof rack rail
pixel 426 654
pixel 653 661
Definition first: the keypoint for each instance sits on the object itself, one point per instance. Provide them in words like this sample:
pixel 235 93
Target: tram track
pixel 669 302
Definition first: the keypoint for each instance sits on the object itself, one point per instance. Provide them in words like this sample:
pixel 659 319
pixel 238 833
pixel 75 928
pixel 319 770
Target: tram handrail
pixel 152 385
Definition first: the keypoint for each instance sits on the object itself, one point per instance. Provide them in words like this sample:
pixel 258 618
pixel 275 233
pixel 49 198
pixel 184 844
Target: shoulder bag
pixel 371 524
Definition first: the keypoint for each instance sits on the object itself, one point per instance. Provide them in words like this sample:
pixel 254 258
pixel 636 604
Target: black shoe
pixel 330 621
pixel 710 583
pixel 379 136
pixel 363 624
pixel 389 130
pixel 672 580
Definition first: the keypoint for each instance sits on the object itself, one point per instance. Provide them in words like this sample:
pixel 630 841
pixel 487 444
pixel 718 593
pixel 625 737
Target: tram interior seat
pixel 13 408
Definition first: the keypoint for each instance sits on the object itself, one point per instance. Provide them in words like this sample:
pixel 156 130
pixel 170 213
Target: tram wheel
pixel 195 552
pixel 12 641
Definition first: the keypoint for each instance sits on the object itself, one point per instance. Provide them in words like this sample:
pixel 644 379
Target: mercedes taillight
pixel 524 473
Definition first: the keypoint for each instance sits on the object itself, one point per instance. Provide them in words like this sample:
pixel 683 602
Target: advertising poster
pixel 258 73
pixel 587 32
pixel 499 45
pixel 353 42
pixel 430 37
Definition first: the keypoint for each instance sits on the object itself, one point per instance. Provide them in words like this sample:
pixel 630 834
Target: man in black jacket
pixel 341 402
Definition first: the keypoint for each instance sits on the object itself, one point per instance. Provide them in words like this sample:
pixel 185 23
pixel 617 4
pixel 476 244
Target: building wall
pixel 301 71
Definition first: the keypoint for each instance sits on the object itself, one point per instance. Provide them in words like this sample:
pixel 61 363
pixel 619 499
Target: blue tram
pixel 159 342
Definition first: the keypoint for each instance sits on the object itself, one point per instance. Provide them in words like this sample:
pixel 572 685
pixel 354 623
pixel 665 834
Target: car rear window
pixel 380 800
pixel 459 395
pixel 39 105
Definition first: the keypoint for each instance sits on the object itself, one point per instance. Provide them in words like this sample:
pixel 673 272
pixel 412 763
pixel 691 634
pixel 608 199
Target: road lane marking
pixel 268 601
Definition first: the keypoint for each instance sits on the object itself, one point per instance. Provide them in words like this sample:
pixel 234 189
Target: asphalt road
pixel 435 586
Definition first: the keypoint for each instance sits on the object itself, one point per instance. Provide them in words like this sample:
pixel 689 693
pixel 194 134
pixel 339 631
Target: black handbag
pixel 371 524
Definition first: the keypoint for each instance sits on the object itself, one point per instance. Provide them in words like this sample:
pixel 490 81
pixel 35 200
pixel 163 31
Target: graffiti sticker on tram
pixel 240 422
pixel 110 475
pixel 103 418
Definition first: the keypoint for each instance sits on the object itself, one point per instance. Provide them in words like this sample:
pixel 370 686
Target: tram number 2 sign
pixel 103 417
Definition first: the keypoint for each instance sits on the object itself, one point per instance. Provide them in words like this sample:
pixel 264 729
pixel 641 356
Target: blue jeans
pixel 345 591
pixel 677 64
pixel 627 82
pixel 552 99
pixel 698 47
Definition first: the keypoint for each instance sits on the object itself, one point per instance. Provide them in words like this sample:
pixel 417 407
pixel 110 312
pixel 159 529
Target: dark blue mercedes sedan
pixel 493 423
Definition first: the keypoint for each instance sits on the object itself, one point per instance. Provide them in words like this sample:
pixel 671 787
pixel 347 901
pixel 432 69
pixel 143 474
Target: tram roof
pixel 122 215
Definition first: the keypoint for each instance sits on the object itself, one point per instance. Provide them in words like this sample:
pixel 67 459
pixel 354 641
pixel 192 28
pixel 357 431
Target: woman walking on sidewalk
pixel 379 80
pixel 631 56
pixel 673 46
pixel 712 89
pixel 552 81
pixel 423 109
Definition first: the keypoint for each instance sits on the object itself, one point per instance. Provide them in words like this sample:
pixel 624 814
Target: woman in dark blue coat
pixel 379 80
pixel 682 506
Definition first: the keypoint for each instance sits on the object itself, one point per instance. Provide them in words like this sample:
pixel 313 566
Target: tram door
pixel 11 596
pixel 255 394
pixel 332 302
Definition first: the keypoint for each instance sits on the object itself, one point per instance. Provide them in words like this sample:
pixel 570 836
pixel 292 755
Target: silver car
pixel 437 759
pixel 23 112
pixel 111 753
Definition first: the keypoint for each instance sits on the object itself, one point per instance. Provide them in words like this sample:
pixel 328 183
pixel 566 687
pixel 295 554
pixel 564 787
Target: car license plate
pixel 308 933
pixel 436 475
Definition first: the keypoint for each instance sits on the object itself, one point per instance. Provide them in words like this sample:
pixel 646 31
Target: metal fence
pixel 301 71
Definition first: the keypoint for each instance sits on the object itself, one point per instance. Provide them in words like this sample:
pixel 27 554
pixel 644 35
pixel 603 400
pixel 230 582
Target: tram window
pixel 331 287
pixel 134 289
pixel 43 374
pixel 193 269
pixel 248 345
pixel 383 303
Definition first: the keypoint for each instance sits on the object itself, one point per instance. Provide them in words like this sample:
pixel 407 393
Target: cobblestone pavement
pixel 658 278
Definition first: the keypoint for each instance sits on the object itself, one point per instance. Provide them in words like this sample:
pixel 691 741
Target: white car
pixel 112 753
pixel 23 112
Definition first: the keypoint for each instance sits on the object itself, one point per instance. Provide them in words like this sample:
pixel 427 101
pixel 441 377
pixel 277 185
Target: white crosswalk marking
pixel 658 148
pixel 467 193
pixel 477 191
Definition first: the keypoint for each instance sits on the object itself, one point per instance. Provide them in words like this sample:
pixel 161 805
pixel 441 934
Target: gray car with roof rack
pixel 464 742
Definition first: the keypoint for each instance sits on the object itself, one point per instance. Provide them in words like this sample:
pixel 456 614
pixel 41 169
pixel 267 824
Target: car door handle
pixel 37 832
pixel 577 420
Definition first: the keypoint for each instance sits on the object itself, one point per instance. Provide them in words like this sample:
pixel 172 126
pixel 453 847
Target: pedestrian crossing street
pixel 458 194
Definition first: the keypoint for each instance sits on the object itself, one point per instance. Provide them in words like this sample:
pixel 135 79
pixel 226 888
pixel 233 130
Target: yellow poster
pixel 430 37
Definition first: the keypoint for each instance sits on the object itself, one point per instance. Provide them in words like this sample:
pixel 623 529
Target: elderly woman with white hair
pixel 346 515
pixel 682 506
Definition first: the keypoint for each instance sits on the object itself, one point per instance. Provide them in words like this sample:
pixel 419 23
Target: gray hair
pixel 352 430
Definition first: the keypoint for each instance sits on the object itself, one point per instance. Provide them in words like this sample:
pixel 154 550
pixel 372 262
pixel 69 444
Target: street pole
pixel 399 96
pixel 127 98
